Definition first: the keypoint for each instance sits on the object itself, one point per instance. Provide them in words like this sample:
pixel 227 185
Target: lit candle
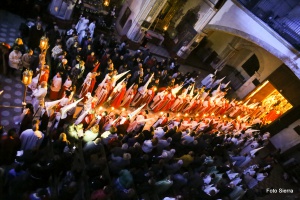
pixel 25 80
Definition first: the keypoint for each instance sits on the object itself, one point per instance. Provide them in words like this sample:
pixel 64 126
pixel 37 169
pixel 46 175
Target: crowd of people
pixel 88 136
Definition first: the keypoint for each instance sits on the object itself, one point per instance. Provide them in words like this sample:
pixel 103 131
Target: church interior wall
pixel 245 49
pixel 135 8
pixel 233 18
pixel 286 138
pixel 219 41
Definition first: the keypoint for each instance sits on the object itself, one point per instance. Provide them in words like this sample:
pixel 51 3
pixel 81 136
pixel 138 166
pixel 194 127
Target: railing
pixel 278 18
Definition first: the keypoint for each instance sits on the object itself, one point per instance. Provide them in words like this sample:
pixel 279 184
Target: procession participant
pixel 138 124
pixel 122 124
pixel 179 100
pixel 66 87
pixel 99 119
pixel 187 99
pixel 142 91
pixel 55 87
pixel 103 90
pixel 149 95
pixel 130 93
pixel 82 24
pixel 119 95
pixel 88 84
pixel 191 105
pixel 158 100
pixel 116 77
pixel 217 82
pixel 170 98
pixel 38 95
pixel 161 121
pixel 92 27
pixel 208 80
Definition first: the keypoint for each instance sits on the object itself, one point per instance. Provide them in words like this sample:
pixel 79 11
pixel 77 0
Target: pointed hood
pixel 217 82
pixel 227 84
pixel 254 151
pixel 143 89
pixel 106 77
pixel 191 94
pixel 174 91
pixel 118 86
pixel 66 108
pixel 246 103
pixel 51 104
pixel 245 118
pixel 117 77
pixel 215 73
pixel 251 130
pixel 134 113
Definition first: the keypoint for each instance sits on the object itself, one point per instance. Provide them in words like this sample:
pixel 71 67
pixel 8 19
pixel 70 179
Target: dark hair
pixel 30 107
pixel 11 132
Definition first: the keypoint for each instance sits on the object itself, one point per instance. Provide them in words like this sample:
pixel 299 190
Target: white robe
pixel 39 95
pixel 92 27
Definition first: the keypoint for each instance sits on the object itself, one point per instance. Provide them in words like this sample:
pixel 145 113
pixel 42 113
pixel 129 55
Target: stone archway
pixel 255 40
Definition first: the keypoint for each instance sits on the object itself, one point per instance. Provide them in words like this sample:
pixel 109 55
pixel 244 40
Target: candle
pixel 25 80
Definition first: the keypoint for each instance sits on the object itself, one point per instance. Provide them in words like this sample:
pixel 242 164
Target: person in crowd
pixel 15 60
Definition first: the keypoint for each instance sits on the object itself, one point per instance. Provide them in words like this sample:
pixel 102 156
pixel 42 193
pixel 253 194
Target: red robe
pixel 128 98
pixel 169 102
pixel 95 69
pixel 102 94
pixel 44 76
pixel 116 102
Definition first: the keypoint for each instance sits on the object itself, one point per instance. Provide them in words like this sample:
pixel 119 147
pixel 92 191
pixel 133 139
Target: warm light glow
pixel 165 28
pixel 43 43
pixel 204 115
pixel 185 114
pixel 224 116
pixel 112 108
pixel 161 113
pixel 123 109
pixel 258 89
pixel 100 108
pixel 212 114
pixel 197 115
pixel 27 77
pixel 106 3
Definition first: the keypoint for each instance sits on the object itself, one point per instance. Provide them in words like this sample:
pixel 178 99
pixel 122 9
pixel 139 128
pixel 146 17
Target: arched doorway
pixel 251 65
